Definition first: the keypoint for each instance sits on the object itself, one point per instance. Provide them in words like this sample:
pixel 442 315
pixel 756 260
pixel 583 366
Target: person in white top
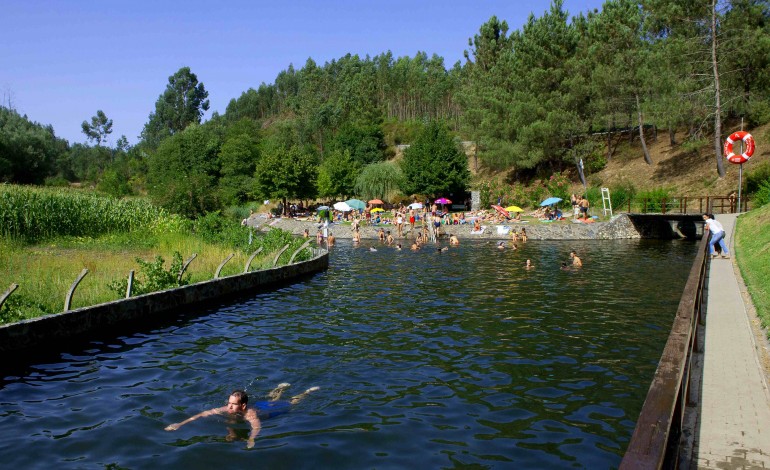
pixel 717 235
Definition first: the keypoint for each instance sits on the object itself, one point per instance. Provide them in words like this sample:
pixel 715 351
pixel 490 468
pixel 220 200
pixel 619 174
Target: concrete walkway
pixel 733 430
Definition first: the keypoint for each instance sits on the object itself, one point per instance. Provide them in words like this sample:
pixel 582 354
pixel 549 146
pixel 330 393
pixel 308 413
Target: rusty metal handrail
pixel 689 204
pixel 655 441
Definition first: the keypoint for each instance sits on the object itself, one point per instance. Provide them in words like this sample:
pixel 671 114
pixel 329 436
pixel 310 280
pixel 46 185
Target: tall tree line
pixel 533 99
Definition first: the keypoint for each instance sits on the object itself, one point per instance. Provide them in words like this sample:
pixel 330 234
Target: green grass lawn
pixel 752 250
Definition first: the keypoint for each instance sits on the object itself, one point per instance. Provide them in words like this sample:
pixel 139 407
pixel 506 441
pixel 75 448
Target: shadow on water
pixel 424 359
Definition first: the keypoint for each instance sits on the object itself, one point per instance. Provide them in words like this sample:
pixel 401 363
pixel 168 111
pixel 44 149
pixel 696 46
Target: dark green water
pixel 425 360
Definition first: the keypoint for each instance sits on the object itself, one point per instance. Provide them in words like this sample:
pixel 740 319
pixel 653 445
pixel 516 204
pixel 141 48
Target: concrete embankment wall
pixel 52 329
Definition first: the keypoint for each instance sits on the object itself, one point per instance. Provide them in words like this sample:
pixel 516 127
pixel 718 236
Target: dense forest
pixel 532 101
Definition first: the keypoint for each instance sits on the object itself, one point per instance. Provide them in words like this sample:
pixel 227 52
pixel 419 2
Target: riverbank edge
pixel 46 331
pixel 618 227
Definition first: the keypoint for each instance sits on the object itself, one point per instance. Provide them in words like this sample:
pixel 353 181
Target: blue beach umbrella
pixel 550 200
pixel 356 204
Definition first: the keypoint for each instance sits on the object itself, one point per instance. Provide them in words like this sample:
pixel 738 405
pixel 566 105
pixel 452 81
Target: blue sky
pixel 61 61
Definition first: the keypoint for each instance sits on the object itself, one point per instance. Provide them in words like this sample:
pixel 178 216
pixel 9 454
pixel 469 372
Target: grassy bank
pixel 752 249
pixel 45 271
pixel 48 236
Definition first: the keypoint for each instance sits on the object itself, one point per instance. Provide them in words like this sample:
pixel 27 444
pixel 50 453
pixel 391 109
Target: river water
pixel 424 360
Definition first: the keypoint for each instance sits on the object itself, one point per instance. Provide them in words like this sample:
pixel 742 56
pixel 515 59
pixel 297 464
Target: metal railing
pixel 655 442
pixel 686 205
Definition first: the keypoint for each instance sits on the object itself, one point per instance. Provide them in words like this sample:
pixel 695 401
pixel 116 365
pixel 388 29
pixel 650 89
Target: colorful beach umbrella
pixel 356 204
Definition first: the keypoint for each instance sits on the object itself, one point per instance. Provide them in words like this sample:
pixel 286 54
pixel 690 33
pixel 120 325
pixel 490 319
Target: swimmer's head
pixel 237 402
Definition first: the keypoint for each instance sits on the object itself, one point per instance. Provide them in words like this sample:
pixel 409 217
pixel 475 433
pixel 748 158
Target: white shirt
pixel 714 226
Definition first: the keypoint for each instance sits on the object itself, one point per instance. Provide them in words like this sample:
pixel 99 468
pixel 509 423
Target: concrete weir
pixel 52 329
pixel 667 226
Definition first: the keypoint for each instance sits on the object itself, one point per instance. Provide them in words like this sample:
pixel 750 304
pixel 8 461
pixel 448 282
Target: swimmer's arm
pixel 256 426
pixel 203 414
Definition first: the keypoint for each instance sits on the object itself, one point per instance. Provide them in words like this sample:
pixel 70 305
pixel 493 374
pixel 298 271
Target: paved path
pixel 734 421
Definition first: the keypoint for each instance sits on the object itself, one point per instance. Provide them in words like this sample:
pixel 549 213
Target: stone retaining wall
pixel 620 227
pixel 51 329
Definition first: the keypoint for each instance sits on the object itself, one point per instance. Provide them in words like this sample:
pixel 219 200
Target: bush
pixel 216 229
pixel 755 178
pixel 762 195
pixel 153 277
pixel 57 181
pixel 653 200
pixel 621 195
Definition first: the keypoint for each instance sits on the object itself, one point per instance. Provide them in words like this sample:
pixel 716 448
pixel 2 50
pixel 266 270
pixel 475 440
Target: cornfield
pixel 33 213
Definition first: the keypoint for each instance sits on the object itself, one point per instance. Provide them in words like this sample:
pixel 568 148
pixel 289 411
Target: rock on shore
pixel 620 227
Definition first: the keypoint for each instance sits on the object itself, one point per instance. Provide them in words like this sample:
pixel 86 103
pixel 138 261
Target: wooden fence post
pixel 251 258
pixel 275 261
pixel 298 251
pixel 68 299
pixel 8 293
pixel 184 268
pixel 219 269
pixel 130 285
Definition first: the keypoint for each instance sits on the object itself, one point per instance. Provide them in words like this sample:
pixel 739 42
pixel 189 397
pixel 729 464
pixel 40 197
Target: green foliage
pixel 113 184
pixel 762 194
pixel 19 307
pixel 182 103
pixel 492 192
pixel 238 156
pixel 558 185
pixel 621 194
pixel 219 230
pixel 379 180
pixel 337 175
pixel 536 192
pixel 756 177
pixel 28 151
pixel 183 171
pixel 99 128
pixel 56 181
pixel 364 143
pixel 33 214
pixel 434 164
pixel 286 173
pixel 652 200
pixel 153 276
pixel 275 239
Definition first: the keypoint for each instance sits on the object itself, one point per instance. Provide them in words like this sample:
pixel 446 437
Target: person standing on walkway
pixel 717 235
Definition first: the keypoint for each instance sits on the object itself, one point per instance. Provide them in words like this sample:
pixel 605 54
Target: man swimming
pixel 576 262
pixel 237 405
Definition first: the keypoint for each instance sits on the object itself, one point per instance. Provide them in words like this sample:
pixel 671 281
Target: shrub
pixel 762 195
pixel 621 195
pixel 755 178
pixel 153 276
pixel 652 200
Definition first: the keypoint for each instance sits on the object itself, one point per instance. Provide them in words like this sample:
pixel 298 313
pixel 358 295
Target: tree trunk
pixel 672 135
pixel 718 110
pixel 641 131
pixel 609 140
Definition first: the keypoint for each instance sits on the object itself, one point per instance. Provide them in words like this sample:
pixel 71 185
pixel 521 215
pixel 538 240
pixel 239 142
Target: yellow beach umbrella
pixel 514 209
pixel 377 209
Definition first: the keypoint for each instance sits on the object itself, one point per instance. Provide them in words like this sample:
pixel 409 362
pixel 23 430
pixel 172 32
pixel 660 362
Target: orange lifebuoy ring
pixel 748 147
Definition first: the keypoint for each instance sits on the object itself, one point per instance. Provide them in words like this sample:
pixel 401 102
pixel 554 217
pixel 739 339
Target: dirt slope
pixel 690 173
